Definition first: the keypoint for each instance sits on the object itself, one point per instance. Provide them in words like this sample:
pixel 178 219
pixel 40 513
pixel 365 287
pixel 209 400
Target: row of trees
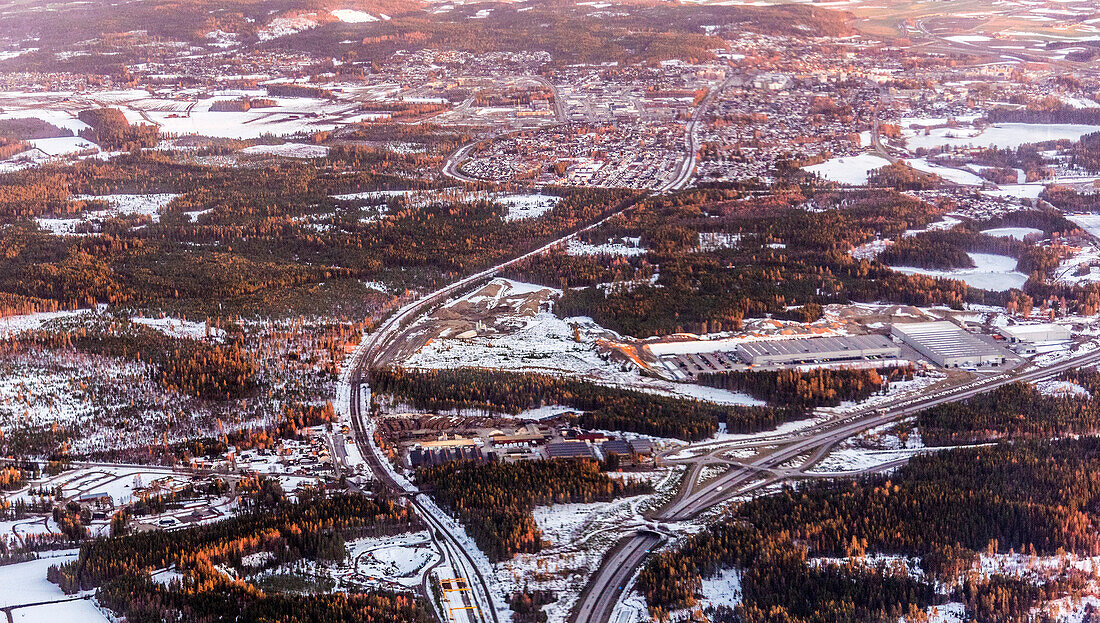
pixel 806 389
pixel 111 131
pixel 211 596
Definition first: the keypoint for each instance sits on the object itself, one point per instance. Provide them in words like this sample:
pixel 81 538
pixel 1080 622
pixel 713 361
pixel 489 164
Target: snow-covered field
pixel 527 206
pixel 991 272
pixel 12 325
pixel 1016 191
pixel 63 119
pixel 1088 222
pixel 72 611
pixel 1005 135
pixel 63 145
pixel 178 327
pixel 856 459
pixel 852 170
pixel 148 205
pixel 628 247
pixel 352 16
pixel 25 583
pixel 288 150
pixel 118 205
pixel 1019 233
pixel 542 342
pixel 958 176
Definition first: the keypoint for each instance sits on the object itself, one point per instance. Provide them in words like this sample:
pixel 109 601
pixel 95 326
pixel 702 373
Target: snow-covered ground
pixel 852 170
pixel 1061 389
pixel 579 535
pixel 25 583
pixel 179 327
pixel 13 325
pixel 991 272
pixel 958 176
pixel 119 205
pixel 148 205
pixel 625 247
pixel 401 559
pixel 856 459
pixel 722 590
pixel 289 24
pixel 542 342
pixel 1005 135
pixel 520 206
pixel 527 206
pixel 1019 233
pixel 288 150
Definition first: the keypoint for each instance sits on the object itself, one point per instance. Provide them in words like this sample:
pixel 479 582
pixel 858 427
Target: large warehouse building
pixel 1026 339
pixel 817 350
pixel 948 345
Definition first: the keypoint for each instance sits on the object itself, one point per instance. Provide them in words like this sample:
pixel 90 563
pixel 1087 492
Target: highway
pixel 450 166
pixel 686 169
pixel 598 602
pixel 372 352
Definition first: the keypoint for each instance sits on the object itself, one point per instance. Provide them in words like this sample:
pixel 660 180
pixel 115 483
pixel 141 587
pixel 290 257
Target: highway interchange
pixel 598 601
pixel 770 464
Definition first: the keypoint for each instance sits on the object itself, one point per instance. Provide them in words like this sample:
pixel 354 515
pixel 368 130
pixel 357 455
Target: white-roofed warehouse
pixel 948 345
pixel 1035 333
pixel 817 350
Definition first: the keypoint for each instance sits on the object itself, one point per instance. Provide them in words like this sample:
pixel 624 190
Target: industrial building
pixel 817 350
pixel 1025 338
pixel 569 450
pixel 948 345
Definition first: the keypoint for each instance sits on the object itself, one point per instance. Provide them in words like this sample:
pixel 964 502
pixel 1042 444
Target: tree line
pixel 806 389
pixel 600 407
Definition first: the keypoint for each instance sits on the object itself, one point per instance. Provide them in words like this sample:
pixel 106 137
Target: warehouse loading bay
pixel 940 344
